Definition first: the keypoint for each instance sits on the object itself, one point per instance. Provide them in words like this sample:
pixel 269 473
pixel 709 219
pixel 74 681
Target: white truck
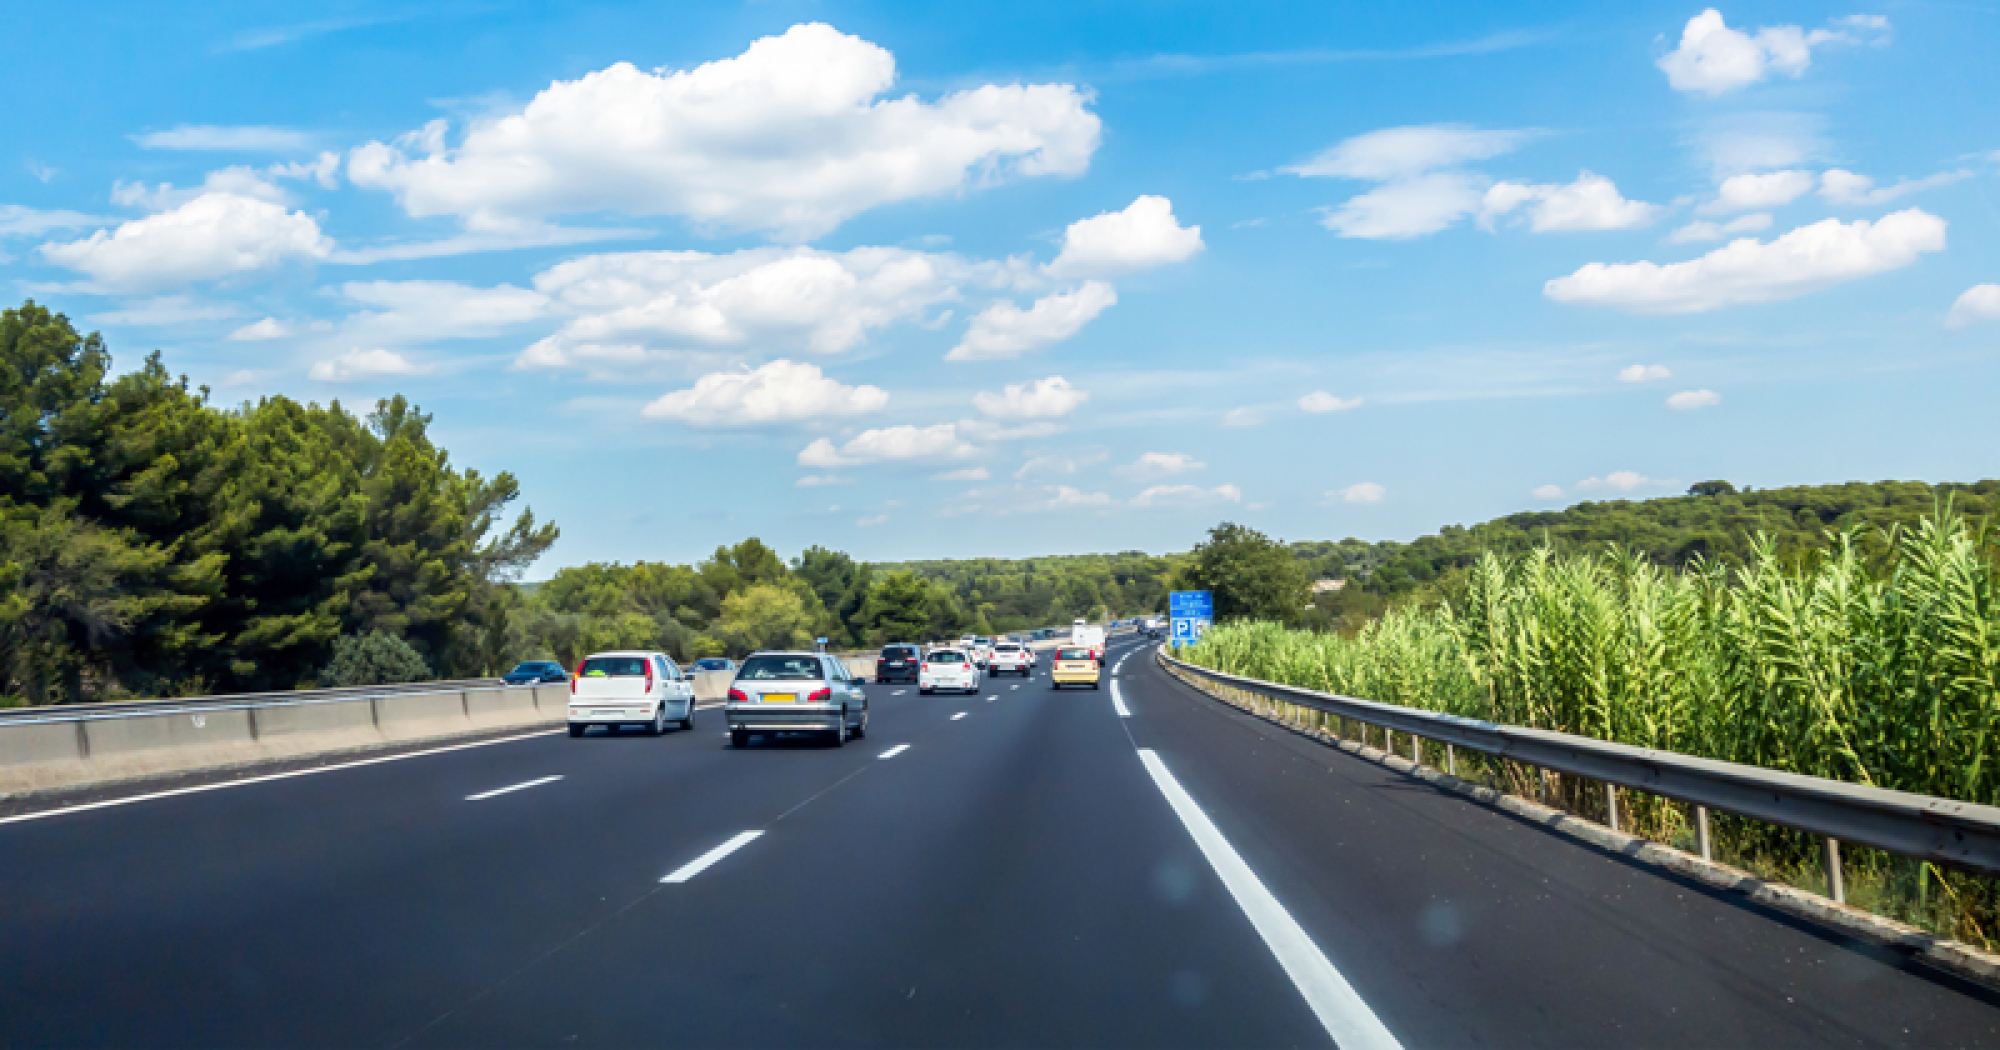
pixel 1089 636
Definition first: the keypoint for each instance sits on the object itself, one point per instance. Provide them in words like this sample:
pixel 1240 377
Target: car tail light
pixel 820 696
pixel 738 696
pixel 573 678
pixel 649 678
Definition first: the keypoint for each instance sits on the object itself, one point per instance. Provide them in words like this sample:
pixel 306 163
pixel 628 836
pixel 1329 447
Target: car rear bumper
pixel 781 717
pixel 953 683
pixel 611 713
pixel 1074 678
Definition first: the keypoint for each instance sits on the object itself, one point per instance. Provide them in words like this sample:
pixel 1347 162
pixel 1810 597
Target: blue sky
pixel 1009 279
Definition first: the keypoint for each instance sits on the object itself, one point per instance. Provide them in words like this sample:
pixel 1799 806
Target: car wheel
pixel 658 727
pixel 688 722
pixel 923 692
pixel 739 739
pixel 575 729
pixel 840 732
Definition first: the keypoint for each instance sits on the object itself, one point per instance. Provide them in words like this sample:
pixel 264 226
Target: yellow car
pixel 1075 665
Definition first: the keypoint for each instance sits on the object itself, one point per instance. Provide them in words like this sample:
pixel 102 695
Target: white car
pixel 948 669
pixel 629 688
pixel 1011 658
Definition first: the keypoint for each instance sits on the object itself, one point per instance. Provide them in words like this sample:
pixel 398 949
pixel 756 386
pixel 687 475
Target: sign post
pixel 1191 612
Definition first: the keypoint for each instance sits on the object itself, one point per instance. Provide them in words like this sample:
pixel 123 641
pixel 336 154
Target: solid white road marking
pixel 1118 702
pixel 992 698
pixel 894 751
pixel 516 787
pixel 1346 1018
pixel 199 788
pixel 958 716
pixel 701 863
pixel 899 692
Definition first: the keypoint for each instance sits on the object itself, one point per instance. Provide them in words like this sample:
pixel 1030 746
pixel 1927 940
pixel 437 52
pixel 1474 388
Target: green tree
pixel 375 658
pixel 766 616
pixel 1251 575
pixel 898 609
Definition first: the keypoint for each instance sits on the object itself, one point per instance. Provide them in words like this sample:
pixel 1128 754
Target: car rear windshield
pixel 532 667
pixel 614 667
pixel 1074 654
pixel 781 669
pixel 1006 647
pixel 899 651
pixel 947 658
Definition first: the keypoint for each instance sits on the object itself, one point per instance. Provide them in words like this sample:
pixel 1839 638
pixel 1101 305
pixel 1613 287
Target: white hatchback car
pixel 627 688
pixel 948 669
pixel 1011 658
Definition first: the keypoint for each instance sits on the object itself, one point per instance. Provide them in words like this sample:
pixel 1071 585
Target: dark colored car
pixel 535 672
pixel 903 662
pixel 711 663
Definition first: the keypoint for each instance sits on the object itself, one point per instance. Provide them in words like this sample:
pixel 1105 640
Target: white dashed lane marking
pixel 701 863
pixel 894 751
pixel 958 716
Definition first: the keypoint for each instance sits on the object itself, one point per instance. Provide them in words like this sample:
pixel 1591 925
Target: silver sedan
pixel 795 693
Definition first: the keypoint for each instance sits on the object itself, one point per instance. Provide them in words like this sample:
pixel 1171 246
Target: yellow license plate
pixel 781 698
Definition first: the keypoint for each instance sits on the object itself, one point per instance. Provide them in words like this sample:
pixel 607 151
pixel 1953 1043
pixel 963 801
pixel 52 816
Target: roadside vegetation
pixel 1874 659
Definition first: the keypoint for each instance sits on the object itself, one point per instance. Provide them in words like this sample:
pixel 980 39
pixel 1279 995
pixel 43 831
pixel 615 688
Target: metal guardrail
pixel 130 708
pixel 1963 835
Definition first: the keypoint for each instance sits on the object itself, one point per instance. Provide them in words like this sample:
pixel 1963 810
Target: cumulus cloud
pixel 897 443
pixel 1424 186
pixel 214 236
pixel 1063 497
pixel 1060 463
pixel 634 308
pixel 1837 186
pixel 814 481
pixel 963 474
pixel 1592 202
pixel 1004 330
pixel 1623 481
pixel 258 331
pixel 1805 260
pixel 1050 398
pixel 1691 399
pixel 1161 464
pixel 371 363
pixel 1547 492
pixel 1705 230
pixel 1713 59
pixel 779 392
pixel 1769 189
pixel 19 220
pixel 791 138
pixel 1187 496
pixel 1321 401
pixel 405 313
pixel 1363 492
pixel 1643 373
pixel 1981 302
pixel 1143 236
pixel 238 139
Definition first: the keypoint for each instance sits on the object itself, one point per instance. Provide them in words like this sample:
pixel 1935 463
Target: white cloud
pixel 1141 237
pixel 814 481
pixel 1187 496
pixel 240 377
pixel 1364 492
pixel 1050 398
pixel 897 443
pixel 1692 399
pixel 1061 463
pixel 1713 59
pixel 1242 417
pixel 241 139
pixel 1066 497
pixel 1837 186
pixel 1770 189
pixel 963 474
pixel 238 180
pixel 1623 481
pixel 632 308
pixel 1548 492
pixel 792 137
pixel 1704 230
pixel 1160 465
pixel 1981 302
pixel 214 236
pixel 364 364
pixel 1004 330
pixel 407 313
pixel 1805 260
pixel 1643 373
pixel 258 331
pixel 871 520
pixel 1592 202
pixel 1321 401
pixel 779 392
pixel 1424 185
pixel 19 220
pixel 166 310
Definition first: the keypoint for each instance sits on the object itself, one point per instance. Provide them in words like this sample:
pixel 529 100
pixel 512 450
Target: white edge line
pixel 894 751
pixel 958 716
pixel 701 863
pixel 287 775
pixel 1118 702
pixel 1341 1011
pixel 513 787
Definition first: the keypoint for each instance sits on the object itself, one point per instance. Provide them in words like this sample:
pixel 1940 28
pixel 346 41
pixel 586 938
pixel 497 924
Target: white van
pixel 629 688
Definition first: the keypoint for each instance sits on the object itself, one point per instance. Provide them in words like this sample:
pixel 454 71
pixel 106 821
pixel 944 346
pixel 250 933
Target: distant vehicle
pixel 535 672
pixel 1011 658
pixel 899 662
pixel 948 669
pixel 1075 665
pixel 796 692
pixel 626 688
pixel 711 663
pixel 980 649
pixel 1088 635
pixel 1153 628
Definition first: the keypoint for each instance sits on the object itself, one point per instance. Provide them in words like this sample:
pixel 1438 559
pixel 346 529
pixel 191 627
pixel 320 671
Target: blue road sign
pixel 1191 612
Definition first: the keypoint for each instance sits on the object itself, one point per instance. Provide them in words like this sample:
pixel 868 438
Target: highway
pixel 1023 867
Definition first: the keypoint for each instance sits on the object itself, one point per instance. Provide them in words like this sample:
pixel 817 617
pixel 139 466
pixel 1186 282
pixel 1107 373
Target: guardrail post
pixel 1611 804
pixel 1701 832
pixel 1416 749
pixel 1836 885
pixel 1450 760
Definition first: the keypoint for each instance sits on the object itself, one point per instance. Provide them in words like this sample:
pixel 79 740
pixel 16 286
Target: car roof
pixel 786 652
pixel 625 652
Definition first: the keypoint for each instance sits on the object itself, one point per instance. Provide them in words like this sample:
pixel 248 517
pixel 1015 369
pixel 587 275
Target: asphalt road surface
pixel 1020 867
